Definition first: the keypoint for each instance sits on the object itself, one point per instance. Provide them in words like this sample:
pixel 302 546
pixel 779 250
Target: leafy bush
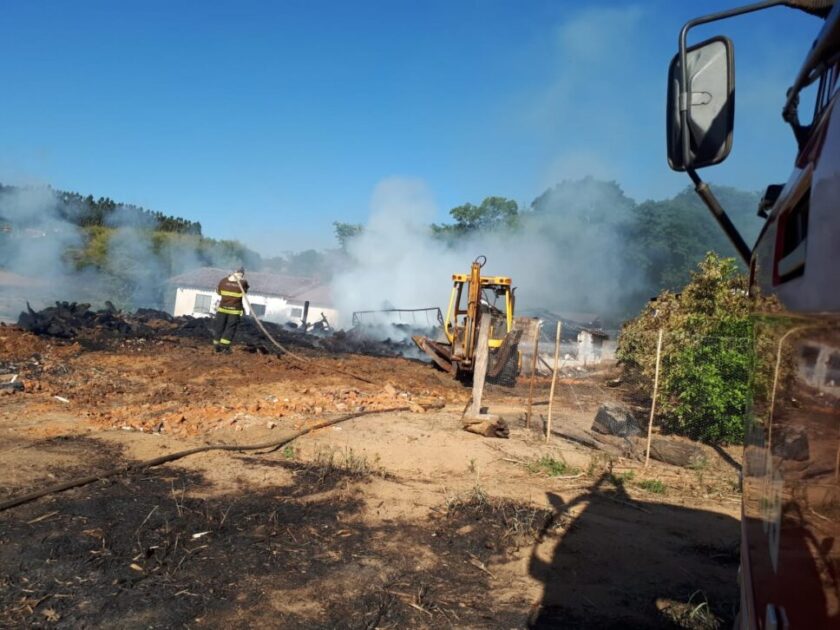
pixel 707 357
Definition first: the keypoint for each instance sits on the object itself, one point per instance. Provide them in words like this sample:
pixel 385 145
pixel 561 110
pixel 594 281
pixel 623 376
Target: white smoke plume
pixel 33 256
pixel 559 260
pixel 39 255
pixel 47 236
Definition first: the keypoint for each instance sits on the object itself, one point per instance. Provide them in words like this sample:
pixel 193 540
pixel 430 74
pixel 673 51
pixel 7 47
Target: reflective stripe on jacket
pixel 231 302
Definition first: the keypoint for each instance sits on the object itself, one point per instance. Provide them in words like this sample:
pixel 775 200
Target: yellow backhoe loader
pixel 486 296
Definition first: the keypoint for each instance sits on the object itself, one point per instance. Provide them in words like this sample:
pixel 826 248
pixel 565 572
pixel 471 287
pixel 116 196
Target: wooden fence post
pixel 480 367
pixel 655 392
pixel 553 380
pixel 533 373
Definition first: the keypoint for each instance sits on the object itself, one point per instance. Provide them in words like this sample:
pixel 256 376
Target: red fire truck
pixel 790 544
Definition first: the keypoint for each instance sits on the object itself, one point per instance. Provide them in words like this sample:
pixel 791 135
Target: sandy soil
pixel 390 521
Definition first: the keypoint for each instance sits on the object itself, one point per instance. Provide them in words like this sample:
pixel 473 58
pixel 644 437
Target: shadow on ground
pixel 305 551
pixel 621 563
pixel 145 551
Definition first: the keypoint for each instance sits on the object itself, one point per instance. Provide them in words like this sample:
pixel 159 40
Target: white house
pixel 593 346
pixel 274 297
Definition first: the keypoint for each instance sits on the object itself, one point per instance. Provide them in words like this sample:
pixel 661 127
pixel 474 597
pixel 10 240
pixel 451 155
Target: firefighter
pixel 230 309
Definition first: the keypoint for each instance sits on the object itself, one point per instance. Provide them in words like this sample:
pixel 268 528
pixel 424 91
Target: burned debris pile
pixel 70 320
pixel 360 341
pixel 78 322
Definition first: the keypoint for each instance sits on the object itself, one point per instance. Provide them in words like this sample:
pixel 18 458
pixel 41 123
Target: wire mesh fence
pixel 578 348
pixel 698 386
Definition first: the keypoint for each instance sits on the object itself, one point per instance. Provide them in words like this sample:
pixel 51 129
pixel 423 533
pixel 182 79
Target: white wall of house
pixel 271 308
pixel 187 304
pixel 594 349
pixel 203 303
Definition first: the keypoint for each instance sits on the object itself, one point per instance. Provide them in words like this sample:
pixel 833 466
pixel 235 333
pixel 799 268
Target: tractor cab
pixel 473 298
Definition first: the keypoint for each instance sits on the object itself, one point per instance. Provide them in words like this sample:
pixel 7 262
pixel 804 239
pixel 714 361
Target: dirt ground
pixel 385 521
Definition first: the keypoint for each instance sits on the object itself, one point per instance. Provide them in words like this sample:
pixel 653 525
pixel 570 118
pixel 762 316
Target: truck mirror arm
pixel 708 197
pixel 701 187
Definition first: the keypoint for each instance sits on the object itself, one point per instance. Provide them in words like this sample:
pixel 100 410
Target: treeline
pixel 105 250
pixel 648 246
pixel 82 211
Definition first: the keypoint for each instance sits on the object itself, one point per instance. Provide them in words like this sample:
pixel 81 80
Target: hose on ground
pixel 285 350
pixel 164 459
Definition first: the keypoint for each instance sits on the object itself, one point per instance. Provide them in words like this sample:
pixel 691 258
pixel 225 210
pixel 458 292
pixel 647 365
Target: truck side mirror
pixel 708 98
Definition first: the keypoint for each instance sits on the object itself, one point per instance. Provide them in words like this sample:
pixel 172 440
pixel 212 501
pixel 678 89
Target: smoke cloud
pixel 567 254
pixel 567 257
pixel 129 266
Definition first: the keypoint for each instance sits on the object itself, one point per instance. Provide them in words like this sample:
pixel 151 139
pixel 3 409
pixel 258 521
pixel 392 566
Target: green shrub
pixel 707 371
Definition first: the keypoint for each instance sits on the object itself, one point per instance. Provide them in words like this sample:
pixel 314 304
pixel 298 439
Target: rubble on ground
pixel 155 373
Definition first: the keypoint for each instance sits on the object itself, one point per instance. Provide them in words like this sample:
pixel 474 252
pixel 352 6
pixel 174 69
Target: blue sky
pixel 266 121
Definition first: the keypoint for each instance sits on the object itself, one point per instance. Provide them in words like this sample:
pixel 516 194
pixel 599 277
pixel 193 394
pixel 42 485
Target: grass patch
pixel 599 463
pixel 692 615
pixel 652 485
pixel 699 464
pixel 547 465
pixel 496 522
pixel 289 452
pixel 346 461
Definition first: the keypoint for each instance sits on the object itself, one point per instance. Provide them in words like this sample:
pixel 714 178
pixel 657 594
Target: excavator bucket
pixel 502 365
pixel 440 353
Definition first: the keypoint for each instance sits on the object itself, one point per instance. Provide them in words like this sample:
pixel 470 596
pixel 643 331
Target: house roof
pixel 292 288
pixel 318 294
pixel 596 332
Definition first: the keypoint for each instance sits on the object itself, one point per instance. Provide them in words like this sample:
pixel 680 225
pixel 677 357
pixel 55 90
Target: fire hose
pixel 157 461
pixel 164 459
pixel 282 348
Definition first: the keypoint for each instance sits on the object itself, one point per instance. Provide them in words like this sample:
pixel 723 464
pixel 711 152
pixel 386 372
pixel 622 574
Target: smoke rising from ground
pixel 567 253
pixel 126 261
pixel 36 250
pixel 45 235
pixel 567 257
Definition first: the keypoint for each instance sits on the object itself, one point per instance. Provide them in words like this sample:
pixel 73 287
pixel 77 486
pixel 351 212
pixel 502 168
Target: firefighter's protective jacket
pixel 231 302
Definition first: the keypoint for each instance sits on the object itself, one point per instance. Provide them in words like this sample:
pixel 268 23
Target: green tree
pixel 306 263
pixel 494 213
pixel 346 231
pixel 586 200
pixel 671 236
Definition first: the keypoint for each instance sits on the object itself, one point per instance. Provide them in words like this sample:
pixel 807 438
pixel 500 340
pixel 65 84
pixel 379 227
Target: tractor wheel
pixel 507 377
